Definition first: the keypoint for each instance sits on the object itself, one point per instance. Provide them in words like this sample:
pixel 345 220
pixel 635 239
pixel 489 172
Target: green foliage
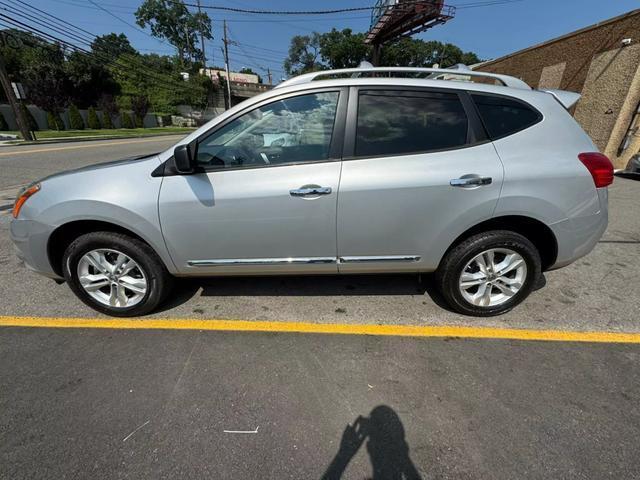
pixel 112 45
pixel 54 121
pixel 127 121
pixel 140 106
pixel 344 49
pixel 31 121
pixel 3 123
pixel 107 122
pixel 304 55
pixel 75 119
pixel 171 20
pixel 418 53
pixel 93 122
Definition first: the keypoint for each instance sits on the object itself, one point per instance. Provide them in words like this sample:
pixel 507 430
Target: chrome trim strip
pixel 262 261
pixel 385 258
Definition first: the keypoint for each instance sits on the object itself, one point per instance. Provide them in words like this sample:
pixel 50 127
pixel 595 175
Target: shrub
pixel 31 121
pixel 3 123
pixel 107 122
pixel 75 119
pixel 55 121
pixel 93 122
pixel 127 121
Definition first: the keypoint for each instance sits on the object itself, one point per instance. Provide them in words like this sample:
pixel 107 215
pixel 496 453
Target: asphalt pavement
pixel 119 403
pixel 165 405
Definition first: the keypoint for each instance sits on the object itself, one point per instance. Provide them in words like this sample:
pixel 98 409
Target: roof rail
pixel 506 80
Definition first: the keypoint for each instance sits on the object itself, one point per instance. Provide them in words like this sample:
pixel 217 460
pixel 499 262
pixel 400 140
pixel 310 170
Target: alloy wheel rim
pixel 493 277
pixel 112 278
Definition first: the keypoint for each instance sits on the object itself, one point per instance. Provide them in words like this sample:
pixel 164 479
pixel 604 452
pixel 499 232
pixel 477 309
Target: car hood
pixel 99 166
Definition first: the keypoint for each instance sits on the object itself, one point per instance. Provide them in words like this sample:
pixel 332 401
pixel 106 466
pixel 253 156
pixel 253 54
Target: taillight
pixel 23 196
pixel 599 167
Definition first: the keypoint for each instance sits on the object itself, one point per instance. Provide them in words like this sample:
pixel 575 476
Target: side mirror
pixel 185 163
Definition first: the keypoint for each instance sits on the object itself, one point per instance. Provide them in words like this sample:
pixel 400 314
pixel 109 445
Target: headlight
pixel 24 194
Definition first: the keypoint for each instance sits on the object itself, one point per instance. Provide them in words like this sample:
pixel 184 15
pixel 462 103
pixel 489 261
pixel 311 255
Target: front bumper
pixel 30 240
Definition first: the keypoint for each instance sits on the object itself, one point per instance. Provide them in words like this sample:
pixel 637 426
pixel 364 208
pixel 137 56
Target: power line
pixel 335 10
pixel 47 37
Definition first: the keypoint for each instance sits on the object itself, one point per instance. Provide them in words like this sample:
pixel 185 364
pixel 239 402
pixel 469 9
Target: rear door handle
pixel 470 181
pixel 310 191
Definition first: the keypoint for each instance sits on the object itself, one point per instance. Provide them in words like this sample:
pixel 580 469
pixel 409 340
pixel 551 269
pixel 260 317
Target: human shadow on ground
pixel 386 446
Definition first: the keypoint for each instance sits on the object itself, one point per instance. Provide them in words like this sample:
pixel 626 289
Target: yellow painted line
pixel 327 328
pixel 75 147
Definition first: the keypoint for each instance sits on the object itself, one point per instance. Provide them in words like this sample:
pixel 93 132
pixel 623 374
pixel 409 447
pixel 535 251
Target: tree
pixel 304 55
pixel 343 49
pixel 75 119
pixel 93 122
pixel 89 78
pixel 127 122
pixel 109 109
pixel 3 123
pixel 107 122
pixel 31 121
pixel 42 73
pixel 112 45
pixel 54 121
pixel 140 107
pixel 172 20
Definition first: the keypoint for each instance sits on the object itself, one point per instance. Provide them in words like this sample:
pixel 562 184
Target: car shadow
pixel 304 286
pixel 386 445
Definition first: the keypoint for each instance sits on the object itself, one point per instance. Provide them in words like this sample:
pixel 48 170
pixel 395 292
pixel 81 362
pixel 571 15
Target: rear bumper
pixel 577 236
pixel 30 240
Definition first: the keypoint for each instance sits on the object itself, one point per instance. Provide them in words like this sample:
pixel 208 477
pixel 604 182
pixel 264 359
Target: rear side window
pixel 503 116
pixel 403 122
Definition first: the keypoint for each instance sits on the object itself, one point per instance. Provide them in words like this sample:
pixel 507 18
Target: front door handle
pixel 310 191
pixel 470 181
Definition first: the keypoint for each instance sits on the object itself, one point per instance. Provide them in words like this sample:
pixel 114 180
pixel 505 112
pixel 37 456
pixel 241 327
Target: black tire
pixel 452 265
pixel 159 280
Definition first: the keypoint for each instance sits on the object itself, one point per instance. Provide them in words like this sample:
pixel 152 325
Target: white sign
pixel 18 90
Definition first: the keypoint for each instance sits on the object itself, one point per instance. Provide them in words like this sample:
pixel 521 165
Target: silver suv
pixel 483 181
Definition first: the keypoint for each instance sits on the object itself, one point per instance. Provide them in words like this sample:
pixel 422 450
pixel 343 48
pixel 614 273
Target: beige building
pixel 602 62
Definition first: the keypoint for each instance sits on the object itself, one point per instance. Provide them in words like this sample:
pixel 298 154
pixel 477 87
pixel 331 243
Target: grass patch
pixel 117 132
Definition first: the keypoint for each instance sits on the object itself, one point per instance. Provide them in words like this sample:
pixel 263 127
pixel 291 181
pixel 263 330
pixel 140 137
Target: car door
pixel 418 171
pixel 264 200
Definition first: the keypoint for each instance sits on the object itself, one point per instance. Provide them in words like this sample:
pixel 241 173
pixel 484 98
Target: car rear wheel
pixel 489 273
pixel 115 274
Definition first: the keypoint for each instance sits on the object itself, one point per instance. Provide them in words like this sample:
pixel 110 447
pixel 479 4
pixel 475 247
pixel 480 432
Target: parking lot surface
pixel 168 403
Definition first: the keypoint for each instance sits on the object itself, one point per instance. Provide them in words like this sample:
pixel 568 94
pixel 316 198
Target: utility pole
pixel 269 75
pixel 204 57
pixel 225 40
pixel 23 126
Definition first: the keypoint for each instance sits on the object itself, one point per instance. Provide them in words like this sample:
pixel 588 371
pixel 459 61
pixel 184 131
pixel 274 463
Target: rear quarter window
pixel 504 116
pixel 404 122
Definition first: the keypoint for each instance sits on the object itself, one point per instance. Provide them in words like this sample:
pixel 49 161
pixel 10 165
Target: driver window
pixel 296 129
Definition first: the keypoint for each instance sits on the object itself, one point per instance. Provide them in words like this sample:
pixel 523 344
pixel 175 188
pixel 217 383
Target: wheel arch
pixel 63 235
pixel 534 230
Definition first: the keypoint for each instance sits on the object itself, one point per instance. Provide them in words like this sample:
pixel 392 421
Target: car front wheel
pixel 489 273
pixel 115 274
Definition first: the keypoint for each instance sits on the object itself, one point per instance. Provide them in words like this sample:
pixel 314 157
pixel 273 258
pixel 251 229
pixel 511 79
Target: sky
pixel 489 31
